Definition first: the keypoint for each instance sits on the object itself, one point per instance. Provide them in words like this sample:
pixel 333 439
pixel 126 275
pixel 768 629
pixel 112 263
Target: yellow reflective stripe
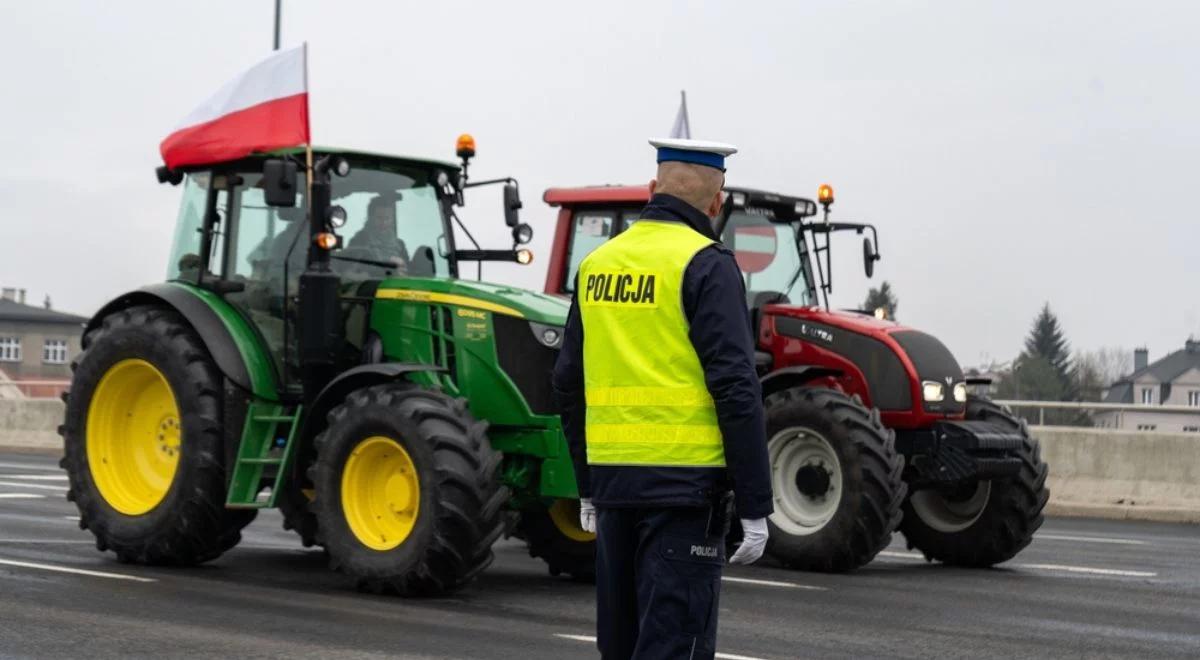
pixel 655 444
pixel 446 298
pixel 649 396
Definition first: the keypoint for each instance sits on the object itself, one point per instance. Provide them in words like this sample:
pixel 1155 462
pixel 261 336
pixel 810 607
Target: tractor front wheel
pixel 553 533
pixel 987 522
pixel 407 496
pixel 836 478
pixel 143 441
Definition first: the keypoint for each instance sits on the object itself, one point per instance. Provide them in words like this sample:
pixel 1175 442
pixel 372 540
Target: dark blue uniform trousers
pixel 658 581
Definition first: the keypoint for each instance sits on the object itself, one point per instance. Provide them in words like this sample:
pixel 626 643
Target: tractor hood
pixel 496 298
pixel 893 358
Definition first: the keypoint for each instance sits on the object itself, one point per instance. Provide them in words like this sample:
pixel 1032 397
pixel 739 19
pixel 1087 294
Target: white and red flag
pixel 264 108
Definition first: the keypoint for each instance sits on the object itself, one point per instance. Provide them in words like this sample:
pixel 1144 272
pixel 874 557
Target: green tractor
pixel 315 349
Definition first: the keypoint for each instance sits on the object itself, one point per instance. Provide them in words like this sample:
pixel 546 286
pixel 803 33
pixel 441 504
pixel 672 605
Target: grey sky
pixel 1011 152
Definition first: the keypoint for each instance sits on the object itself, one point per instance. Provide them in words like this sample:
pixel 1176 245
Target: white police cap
pixel 699 152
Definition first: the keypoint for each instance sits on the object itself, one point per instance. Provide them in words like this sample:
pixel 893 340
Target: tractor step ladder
pixel 268 441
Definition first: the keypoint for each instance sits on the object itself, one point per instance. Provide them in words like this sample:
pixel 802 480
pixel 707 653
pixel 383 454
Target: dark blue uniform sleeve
pixel 714 300
pixel 568 389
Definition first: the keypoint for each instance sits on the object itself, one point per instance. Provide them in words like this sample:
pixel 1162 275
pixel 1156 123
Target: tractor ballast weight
pixel 871 426
pixel 315 349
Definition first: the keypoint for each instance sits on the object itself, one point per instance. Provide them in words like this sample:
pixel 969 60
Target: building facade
pixel 36 344
pixel 1171 381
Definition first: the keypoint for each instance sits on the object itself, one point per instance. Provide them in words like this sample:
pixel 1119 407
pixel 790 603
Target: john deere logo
pixel 472 314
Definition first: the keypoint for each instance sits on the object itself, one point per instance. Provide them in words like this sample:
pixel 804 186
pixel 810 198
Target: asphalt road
pixel 1082 589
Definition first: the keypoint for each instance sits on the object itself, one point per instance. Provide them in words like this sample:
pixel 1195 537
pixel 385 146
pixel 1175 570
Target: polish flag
pixel 264 108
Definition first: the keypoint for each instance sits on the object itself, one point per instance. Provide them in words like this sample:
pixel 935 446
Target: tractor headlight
pixel 931 391
pixel 960 392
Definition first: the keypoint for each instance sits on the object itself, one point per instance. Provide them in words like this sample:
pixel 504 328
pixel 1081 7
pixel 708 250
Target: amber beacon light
pixel 465 146
pixel 825 194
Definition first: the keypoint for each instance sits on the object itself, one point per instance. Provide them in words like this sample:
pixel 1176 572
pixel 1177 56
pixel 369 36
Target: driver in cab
pixel 378 236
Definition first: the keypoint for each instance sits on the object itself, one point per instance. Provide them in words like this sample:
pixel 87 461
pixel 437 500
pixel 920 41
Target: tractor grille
pixel 527 362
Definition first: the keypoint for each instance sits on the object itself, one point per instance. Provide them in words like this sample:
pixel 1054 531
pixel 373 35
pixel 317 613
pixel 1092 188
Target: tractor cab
pixel 254 232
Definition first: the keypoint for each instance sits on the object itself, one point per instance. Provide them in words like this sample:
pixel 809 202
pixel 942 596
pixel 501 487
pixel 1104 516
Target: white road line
pixel 901 555
pixel 772 583
pixel 1089 539
pixel 76 571
pixel 35 477
pixel 19 484
pixel 29 466
pixel 585 638
pixel 75 518
pixel 1086 569
pixel 20 496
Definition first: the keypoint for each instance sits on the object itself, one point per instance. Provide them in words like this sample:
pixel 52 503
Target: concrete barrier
pixel 1102 473
pixel 1110 473
pixel 30 423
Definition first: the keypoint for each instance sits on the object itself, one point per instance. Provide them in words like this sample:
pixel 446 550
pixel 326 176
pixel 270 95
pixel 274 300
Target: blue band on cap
pixel 698 157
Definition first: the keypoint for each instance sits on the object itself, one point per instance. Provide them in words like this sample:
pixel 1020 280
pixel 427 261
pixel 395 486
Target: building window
pixel 1147 395
pixel 1147 427
pixel 54 351
pixel 1194 398
pixel 10 349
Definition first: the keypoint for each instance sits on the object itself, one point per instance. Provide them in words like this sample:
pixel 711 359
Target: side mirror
pixel 279 182
pixel 870 256
pixel 512 204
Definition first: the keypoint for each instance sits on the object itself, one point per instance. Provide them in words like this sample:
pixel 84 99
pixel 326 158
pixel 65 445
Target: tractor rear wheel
pixel 143 442
pixel 987 522
pixel 553 533
pixel 836 478
pixel 407 492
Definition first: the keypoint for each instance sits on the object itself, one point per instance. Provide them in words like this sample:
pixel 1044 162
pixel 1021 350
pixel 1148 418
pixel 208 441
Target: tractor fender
pixel 233 344
pixel 364 375
pixel 782 379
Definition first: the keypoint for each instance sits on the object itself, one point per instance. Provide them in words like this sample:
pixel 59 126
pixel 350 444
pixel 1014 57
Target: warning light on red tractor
pixel 825 194
pixel 465 146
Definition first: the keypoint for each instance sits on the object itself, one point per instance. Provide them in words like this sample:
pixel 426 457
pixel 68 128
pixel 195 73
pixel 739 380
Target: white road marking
pixel 901 555
pixel 36 477
pixel 20 484
pixel 1087 569
pixel 1089 539
pixel 772 583
pixel 75 518
pixel 20 496
pixel 585 638
pixel 76 571
pixel 29 466
pixel 1042 567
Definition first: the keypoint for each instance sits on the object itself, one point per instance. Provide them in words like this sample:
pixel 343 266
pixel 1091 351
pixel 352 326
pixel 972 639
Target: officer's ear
pixel 714 207
pixel 653 185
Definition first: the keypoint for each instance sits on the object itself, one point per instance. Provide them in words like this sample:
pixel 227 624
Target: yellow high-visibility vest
pixel 647 403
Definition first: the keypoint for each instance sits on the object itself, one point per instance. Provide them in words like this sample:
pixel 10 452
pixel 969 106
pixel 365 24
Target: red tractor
pixel 871 425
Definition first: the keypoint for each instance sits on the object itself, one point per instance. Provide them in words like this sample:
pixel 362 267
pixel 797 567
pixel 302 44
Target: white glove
pixel 587 515
pixel 754 541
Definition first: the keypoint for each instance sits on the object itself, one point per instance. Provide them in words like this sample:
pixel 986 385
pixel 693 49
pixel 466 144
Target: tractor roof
pixel 353 153
pixel 608 194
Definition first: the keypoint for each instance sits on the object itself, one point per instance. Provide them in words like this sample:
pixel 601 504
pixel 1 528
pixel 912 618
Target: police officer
pixel 663 413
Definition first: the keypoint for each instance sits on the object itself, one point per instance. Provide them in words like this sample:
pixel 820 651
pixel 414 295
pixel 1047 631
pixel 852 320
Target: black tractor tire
pixel 1009 517
pixel 868 506
pixel 458 515
pixel 294 505
pixel 190 524
pixel 565 551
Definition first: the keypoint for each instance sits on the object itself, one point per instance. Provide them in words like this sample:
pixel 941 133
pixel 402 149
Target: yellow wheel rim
pixel 381 493
pixel 565 515
pixel 133 437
